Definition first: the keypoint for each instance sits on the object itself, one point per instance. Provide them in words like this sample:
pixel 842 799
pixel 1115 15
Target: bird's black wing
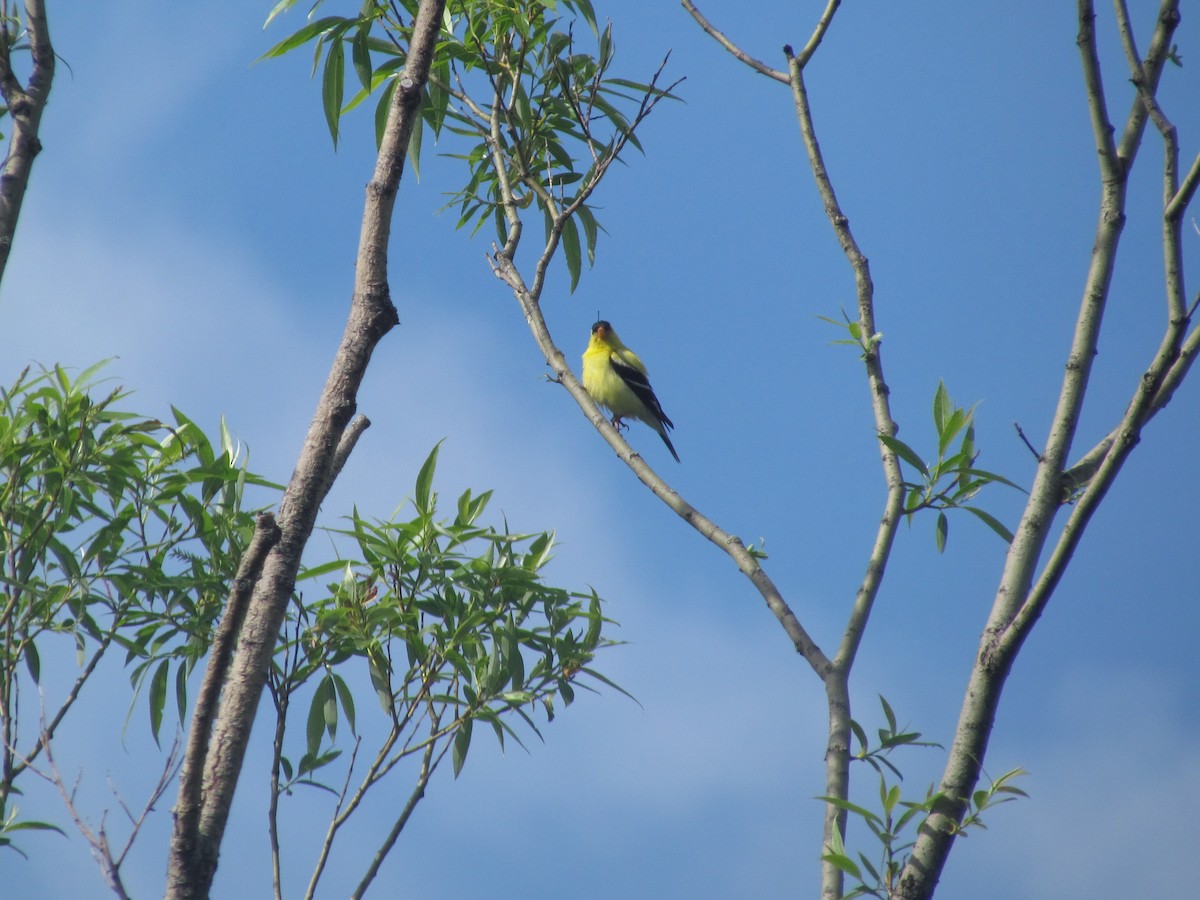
pixel 640 385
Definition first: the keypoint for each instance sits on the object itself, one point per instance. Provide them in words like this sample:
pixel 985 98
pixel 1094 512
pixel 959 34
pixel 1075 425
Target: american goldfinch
pixel 616 379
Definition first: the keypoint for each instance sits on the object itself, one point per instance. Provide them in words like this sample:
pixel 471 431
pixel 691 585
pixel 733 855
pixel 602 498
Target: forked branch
pixel 197 839
pixel 1023 594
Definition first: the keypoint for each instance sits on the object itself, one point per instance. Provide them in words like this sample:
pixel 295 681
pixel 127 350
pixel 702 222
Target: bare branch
pixel 345 447
pixel 1128 44
pixel 1102 127
pixel 1142 407
pixel 729 543
pixel 1187 190
pixel 818 34
pixel 837 689
pixel 336 822
pixel 428 765
pixel 1150 72
pixel 48 729
pixel 110 863
pixel 711 30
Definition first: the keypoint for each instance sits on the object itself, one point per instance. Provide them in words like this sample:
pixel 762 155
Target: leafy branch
pixel 455 625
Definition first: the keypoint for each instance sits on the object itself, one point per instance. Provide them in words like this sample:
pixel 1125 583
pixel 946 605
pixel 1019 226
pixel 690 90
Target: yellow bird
pixel 616 379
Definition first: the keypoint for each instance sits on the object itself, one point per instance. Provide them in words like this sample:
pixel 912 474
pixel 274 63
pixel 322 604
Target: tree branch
pixel 837 680
pixel 711 30
pixel 732 545
pixel 26 105
pixel 1018 601
pixel 372 315
pixel 428 766
pixel 110 863
pixel 189 805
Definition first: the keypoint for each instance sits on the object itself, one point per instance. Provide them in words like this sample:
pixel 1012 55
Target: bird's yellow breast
pixel 607 387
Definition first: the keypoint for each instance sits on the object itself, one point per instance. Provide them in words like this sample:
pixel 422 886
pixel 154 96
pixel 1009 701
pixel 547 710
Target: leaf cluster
pixel 888 825
pixel 952 480
pixel 114 529
pixel 450 622
pixel 453 620
pixel 542 118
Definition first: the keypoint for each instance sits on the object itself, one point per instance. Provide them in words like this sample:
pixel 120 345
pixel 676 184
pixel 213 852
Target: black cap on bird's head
pixel 602 328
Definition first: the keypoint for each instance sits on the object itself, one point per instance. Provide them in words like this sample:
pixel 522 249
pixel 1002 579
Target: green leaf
pixel 158 697
pixel 382 109
pixel 859 733
pixel 315 726
pixel 330 707
pixel 414 147
pixel 940 532
pixel 360 53
pixel 595 623
pixel 33 662
pixel 303 36
pixel 888 713
pixel 942 408
pixel 462 743
pixel 346 698
pixel 846 805
pixel 905 452
pixel 31 825
pixel 516 663
pixel 570 239
pixel 844 863
pixel 424 494
pixel 591 229
pixel 952 426
pixel 991 477
pixel 181 694
pixel 589 14
pixel 281 6
pixel 379 681
pixel 889 797
pixel 332 86
pixel 991 522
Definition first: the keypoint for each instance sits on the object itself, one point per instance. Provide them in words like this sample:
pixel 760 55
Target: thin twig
pixel 1028 443
pixel 102 851
pixel 1187 190
pixel 818 34
pixel 712 31
pixel 428 766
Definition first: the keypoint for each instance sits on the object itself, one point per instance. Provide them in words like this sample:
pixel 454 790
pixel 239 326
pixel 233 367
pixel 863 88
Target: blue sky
pixel 189 217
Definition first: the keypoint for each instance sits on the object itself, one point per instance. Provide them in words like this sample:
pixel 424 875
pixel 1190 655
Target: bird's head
pixel 603 335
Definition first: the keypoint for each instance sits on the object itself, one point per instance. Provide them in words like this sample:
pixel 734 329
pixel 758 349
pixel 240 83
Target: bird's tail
pixel 662 433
